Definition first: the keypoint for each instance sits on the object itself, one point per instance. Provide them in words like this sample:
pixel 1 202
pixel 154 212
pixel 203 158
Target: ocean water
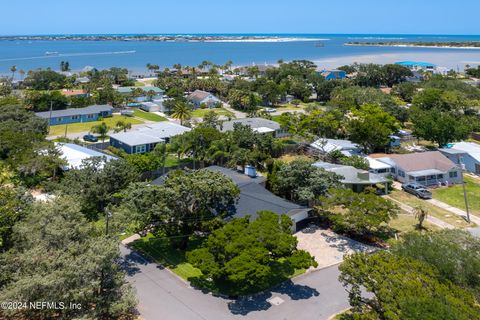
pixel 28 55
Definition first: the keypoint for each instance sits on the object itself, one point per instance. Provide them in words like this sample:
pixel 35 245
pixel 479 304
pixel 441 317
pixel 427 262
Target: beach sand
pixel 451 60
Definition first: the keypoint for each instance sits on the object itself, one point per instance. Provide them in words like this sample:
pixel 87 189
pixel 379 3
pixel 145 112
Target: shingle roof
pixel 152 133
pixel 420 161
pixel 198 95
pixel 253 196
pixel 74 111
pixel 254 123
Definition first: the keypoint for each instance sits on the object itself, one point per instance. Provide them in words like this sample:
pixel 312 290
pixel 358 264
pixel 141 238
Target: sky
pixel 240 16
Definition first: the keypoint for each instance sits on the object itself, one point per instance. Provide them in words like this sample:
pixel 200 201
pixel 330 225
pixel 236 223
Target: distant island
pixel 420 44
pixel 159 38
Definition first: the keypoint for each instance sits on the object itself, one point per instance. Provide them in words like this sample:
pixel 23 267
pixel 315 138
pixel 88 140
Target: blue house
pixel 157 93
pixel 87 114
pixel 333 74
pixel 145 139
pixel 465 154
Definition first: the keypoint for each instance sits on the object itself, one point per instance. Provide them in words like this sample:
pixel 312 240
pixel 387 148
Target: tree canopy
pixel 244 255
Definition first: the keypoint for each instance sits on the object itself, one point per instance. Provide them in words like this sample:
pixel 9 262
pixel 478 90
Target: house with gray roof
pixel 346 147
pixel 150 93
pixel 145 139
pixel 259 125
pixel 255 197
pixel 353 178
pixel 200 97
pixel 73 115
pixel 465 154
pixel 425 168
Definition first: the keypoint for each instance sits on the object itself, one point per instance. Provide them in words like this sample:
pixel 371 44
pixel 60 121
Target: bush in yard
pixel 391 287
pixel 363 214
pixel 246 256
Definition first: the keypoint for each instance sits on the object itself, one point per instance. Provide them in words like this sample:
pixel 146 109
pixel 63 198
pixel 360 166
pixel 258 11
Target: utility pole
pixel 464 189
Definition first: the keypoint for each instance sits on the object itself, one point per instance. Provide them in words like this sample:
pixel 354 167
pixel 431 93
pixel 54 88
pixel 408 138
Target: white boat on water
pixel 51 53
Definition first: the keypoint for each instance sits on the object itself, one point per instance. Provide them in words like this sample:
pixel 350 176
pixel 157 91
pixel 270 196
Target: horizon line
pixel 228 33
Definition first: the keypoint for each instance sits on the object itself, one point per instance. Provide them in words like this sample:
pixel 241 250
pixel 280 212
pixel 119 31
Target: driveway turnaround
pixel 327 247
pixel 163 296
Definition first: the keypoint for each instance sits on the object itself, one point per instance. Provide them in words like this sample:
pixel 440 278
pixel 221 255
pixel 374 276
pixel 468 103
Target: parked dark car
pixel 90 138
pixel 417 190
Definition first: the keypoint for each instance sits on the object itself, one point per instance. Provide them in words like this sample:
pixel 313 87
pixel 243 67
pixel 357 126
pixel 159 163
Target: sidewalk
pixel 456 211
pixel 410 210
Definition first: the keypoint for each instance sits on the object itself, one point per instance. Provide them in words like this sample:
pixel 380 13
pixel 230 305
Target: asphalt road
pixel 164 296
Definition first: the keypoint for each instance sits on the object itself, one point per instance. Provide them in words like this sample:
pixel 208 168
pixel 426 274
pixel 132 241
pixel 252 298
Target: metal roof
pixel 152 133
pixel 75 154
pixel 74 111
pixel 351 175
pixel 145 89
pixel 254 123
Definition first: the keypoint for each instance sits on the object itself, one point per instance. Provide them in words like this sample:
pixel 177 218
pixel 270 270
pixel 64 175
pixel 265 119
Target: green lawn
pixel 59 130
pixel 454 195
pixel 406 223
pixel 434 211
pixel 161 250
pixel 200 113
pixel 173 161
pixel 148 115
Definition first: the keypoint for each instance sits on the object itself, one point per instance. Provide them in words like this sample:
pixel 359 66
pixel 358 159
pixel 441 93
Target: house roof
pixel 377 165
pixel 69 93
pixel 75 154
pixel 198 95
pixel 152 133
pixel 329 145
pixel 351 175
pixel 145 89
pixel 254 197
pixel 74 111
pixel 257 124
pixel 473 149
pixel 420 161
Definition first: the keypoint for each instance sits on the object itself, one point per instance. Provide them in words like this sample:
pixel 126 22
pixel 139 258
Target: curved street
pixel 162 295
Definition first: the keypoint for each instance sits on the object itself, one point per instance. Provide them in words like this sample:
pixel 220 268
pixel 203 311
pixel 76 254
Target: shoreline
pixel 155 38
pixel 409 46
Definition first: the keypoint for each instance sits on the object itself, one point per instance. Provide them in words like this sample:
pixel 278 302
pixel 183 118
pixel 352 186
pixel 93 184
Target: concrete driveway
pixel 327 247
pixel 163 296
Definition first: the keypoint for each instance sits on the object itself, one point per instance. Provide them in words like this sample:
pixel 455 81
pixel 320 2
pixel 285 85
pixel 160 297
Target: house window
pixel 89 116
pixel 393 170
pixel 75 117
pixel 401 173
pixel 140 149
pixel 453 174
pixel 59 119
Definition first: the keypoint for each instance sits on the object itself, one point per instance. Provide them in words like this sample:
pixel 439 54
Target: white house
pixel 425 168
pixel 199 98
pixel 75 154
pixel 466 154
pixel 378 167
pixel 346 147
pixel 258 125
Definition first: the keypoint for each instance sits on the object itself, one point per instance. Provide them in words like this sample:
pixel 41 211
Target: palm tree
pixel 22 73
pixel 101 130
pixel 421 215
pixel 13 69
pixel 182 112
pixel 122 126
